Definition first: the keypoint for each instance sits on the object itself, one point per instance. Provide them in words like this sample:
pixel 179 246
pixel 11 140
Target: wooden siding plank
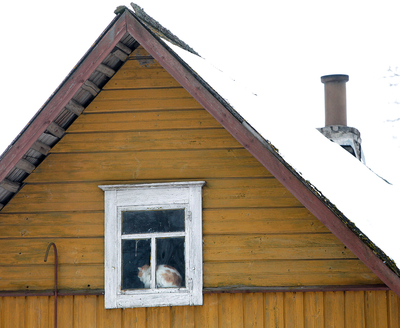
pixel 354 309
pixel 294 310
pixel 89 274
pixel 206 316
pixel 40 277
pixel 65 311
pixel 12 312
pixel 314 309
pixel 182 316
pixel 57 197
pixel 141 74
pixel 134 318
pixel 145 140
pixel 253 310
pixel 266 247
pixel 55 225
pixel 287 273
pixel 140 121
pixel 376 309
pixel 237 310
pixel 217 193
pixel 72 251
pixel 37 311
pixel 107 318
pixel 146 165
pixel 247 193
pixel 274 310
pixel 393 310
pixel 334 309
pixel 158 317
pixel 85 311
pixel 225 310
pixel 142 100
pixel 260 220
pixel 139 53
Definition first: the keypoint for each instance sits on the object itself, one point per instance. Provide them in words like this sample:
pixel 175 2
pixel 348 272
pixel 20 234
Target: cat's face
pixel 143 270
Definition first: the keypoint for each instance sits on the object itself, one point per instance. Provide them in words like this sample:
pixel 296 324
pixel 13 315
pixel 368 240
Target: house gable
pixel 256 233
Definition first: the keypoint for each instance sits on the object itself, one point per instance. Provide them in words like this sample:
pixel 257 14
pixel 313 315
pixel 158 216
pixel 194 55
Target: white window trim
pixel 174 195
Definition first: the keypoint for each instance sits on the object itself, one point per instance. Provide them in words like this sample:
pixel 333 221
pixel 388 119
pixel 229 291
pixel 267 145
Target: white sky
pixel 278 48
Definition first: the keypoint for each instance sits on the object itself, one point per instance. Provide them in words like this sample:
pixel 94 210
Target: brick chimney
pixel 336 128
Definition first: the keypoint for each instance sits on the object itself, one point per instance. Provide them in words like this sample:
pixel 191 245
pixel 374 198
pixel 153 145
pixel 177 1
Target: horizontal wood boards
pixel 143 127
pixel 264 310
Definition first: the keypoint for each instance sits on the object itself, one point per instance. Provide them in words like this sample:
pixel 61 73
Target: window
pixel 153 244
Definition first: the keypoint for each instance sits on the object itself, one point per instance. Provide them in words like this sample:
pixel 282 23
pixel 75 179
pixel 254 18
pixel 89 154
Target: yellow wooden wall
pixel 369 309
pixel 144 127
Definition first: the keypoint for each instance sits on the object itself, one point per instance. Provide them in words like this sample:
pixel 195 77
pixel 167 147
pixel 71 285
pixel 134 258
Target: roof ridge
pixel 160 30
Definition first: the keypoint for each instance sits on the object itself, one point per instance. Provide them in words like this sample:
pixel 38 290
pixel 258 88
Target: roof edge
pixel 62 95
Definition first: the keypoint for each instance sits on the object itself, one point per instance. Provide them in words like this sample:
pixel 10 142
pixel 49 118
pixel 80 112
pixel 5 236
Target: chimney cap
pixel 335 78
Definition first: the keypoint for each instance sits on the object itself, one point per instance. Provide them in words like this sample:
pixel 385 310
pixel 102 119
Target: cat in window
pixel 166 276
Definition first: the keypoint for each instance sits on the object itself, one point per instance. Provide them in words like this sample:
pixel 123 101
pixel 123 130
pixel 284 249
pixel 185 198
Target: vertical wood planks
pixel 376 309
pixel 231 310
pixel 334 309
pixel 134 318
pixel 37 312
pixel 294 310
pixel 394 309
pixel 206 316
pixel 314 309
pixel 65 312
pixel 354 309
pixel 13 311
pixel 182 316
pixel 274 310
pixel 253 304
pixel 227 310
pixel 85 311
pixel 105 318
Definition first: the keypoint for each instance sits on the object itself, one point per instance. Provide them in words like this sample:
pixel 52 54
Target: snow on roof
pixel 363 197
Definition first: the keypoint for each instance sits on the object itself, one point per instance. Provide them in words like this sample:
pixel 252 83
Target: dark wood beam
pixel 74 107
pixel 25 166
pixel 10 185
pixel 56 104
pixel 56 130
pixel 41 147
pixel 107 71
pixel 90 87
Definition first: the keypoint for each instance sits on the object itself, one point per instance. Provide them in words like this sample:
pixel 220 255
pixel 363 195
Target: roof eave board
pixel 48 113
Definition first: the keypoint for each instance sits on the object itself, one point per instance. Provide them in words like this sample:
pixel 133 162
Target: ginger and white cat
pixel 166 276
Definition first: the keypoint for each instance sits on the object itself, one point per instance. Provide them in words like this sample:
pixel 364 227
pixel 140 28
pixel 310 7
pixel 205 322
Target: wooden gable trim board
pixel 217 107
pixel 263 152
pixel 45 117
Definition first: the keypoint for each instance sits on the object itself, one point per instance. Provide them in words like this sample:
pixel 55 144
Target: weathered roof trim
pixel 261 149
pixel 44 119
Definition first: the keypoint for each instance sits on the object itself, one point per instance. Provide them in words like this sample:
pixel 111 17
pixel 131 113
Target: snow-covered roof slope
pixel 364 198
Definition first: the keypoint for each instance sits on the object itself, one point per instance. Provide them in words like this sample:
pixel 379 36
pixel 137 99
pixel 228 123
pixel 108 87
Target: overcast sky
pixel 277 48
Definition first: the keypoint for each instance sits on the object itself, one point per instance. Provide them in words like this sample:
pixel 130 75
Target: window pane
pixel 153 221
pixel 135 254
pixel 171 262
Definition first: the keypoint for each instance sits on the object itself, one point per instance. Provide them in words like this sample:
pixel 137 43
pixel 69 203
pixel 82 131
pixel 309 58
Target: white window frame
pixel 173 195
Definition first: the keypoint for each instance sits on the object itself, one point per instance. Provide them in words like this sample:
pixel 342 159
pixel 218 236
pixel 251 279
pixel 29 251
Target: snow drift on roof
pixel 364 198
